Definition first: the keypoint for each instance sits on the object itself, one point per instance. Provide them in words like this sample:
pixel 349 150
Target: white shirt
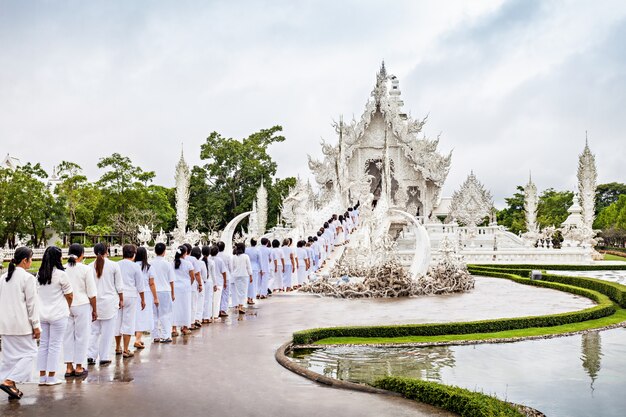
pixel 228 263
pixel 242 266
pixel 19 304
pixel 52 303
pixel 302 256
pixel 264 259
pixel 163 273
pixel 210 270
pixel 81 277
pixel 108 286
pixel 277 255
pixel 287 252
pixel 253 253
pixel 133 278
pixel 220 268
pixel 183 280
pixel 147 274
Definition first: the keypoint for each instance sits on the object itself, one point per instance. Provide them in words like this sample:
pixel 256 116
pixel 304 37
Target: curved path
pixel 228 368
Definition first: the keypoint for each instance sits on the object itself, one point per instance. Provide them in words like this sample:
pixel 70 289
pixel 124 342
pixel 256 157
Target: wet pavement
pixel 228 368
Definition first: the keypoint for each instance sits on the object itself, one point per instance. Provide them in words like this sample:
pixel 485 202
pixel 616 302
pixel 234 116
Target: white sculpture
pixel 161 237
pixel 471 203
pixel 144 235
pixel 182 198
pixel 587 177
pixel 261 210
pixel 531 202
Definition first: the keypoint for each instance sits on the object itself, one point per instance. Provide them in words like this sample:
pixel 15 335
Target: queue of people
pixel 79 312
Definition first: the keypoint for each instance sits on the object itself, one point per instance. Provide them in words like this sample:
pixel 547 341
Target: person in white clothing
pixel 55 298
pixel 290 264
pixel 82 312
pixel 133 287
pixel 226 291
pixel 184 277
pixel 196 285
pixel 163 273
pixel 144 319
pixel 242 274
pixel 19 323
pixel 253 253
pixel 278 266
pixel 264 268
pixel 221 281
pixel 303 262
pixel 210 286
pixel 109 299
pixel 201 273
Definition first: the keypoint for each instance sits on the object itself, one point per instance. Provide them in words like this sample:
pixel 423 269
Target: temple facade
pixel 386 150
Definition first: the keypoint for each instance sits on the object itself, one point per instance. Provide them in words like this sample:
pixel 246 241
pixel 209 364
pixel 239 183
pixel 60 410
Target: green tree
pixel 553 206
pixel 607 194
pixel 512 217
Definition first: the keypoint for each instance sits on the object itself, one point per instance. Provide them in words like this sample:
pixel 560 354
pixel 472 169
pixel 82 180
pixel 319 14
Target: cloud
pixel 512 85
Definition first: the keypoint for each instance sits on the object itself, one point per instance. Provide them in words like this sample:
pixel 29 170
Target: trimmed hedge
pixel 457 400
pixel 613 290
pixel 554 267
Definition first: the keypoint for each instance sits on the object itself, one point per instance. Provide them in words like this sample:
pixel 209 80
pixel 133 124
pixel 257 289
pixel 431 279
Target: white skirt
pixel 182 308
pixel 17 358
pixel 144 321
pixel 302 274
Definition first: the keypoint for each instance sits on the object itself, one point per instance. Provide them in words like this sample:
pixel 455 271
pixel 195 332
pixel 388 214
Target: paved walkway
pixel 228 368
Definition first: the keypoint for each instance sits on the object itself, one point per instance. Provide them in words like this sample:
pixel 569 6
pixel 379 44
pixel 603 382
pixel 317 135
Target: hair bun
pixel 13 261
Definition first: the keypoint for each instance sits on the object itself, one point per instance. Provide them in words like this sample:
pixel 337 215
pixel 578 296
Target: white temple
pixel 385 159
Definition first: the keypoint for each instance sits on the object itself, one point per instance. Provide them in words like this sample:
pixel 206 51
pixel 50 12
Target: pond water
pixel 574 376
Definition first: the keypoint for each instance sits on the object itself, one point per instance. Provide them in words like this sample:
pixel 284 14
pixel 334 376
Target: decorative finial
pixel 586 139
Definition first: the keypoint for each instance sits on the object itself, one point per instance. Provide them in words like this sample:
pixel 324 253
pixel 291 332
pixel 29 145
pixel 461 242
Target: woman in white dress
pixel 277 266
pixel 19 323
pixel 201 274
pixel 82 312
pixel 55 298
pixel 290 265
pixel 242 274
pixel 109 299
pixel 303 262
pixel 210 286
pixel 144 319
pixel 184 276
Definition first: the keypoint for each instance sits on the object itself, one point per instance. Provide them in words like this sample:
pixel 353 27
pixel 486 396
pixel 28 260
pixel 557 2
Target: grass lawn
pixel 609 257
pixel 36 264
pixel 618 317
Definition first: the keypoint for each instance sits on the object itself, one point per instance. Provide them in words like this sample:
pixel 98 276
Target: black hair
pixel 181 251
pixel 129 251
pixel 214 250
pixel 349 208
pixel 221 246
pixel 196 252
pixel 314 238
pixel 253 242
pixel 300 244
pixel 206 251
pixel 75 251
pixel 159 248
pixel 188 246
pixel 142 256
pixel 100 249
pixel 290 241
pixel 325 225
pixel 264 241
pixel 52 258
pixel 19 255
pixel 286 241
pixel 275 243
pixel 340 218
pixel 240 248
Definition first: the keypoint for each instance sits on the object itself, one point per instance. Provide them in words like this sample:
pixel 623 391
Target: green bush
pixel 614 291
pixel 554 267
pixel 457 400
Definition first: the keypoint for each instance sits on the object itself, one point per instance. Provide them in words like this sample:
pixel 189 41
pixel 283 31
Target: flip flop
pixel 139 346
pixel 127 354
pixel 70 374
pixel 168 340
pixel 118 352
pixel 81 374
pixel 14 393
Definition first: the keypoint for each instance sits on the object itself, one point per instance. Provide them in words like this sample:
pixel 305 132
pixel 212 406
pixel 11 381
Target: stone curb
pixel 287 363
pixel 462 342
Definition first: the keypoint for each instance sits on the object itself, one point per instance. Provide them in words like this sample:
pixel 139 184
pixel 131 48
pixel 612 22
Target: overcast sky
pixel 511 86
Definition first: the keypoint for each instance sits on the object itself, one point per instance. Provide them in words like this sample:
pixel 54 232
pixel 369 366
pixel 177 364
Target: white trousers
pixel 50 344
pixel 277 279
pixel 126 317
pixel 182 308
pixel 200 302
pixel 234 296
pixel 207 301
pixel 77 335
pixel 287 276
pixel 224 298
pixel 241 287
pixel 102 332
pixel 144 319
pixel 217 300
pixel 162 316
pixel 17 357
pixel 302 274
pixel 194 301
pixel 263 283
pixel 252 286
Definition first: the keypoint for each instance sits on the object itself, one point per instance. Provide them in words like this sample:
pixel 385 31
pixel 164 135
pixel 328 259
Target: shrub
pixel 457 400
pixel 554 267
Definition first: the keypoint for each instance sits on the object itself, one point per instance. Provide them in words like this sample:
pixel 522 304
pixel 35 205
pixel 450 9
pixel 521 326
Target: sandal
pixel 175 334
pixel 82 374
pixel 128 354
pixel 14 393
pixel 156 341
pixel 118 352
pixel 241 311
pixel 185 332
pixel 70 374
pixel 168 340
pixel 139 345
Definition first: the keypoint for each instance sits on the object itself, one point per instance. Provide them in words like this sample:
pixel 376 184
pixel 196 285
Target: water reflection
pixel 366 364
pixel 591 351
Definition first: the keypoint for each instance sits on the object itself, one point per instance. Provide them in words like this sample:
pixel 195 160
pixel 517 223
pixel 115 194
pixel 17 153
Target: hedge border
pixel 604 308
pixel 458 400
pixel 553 267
